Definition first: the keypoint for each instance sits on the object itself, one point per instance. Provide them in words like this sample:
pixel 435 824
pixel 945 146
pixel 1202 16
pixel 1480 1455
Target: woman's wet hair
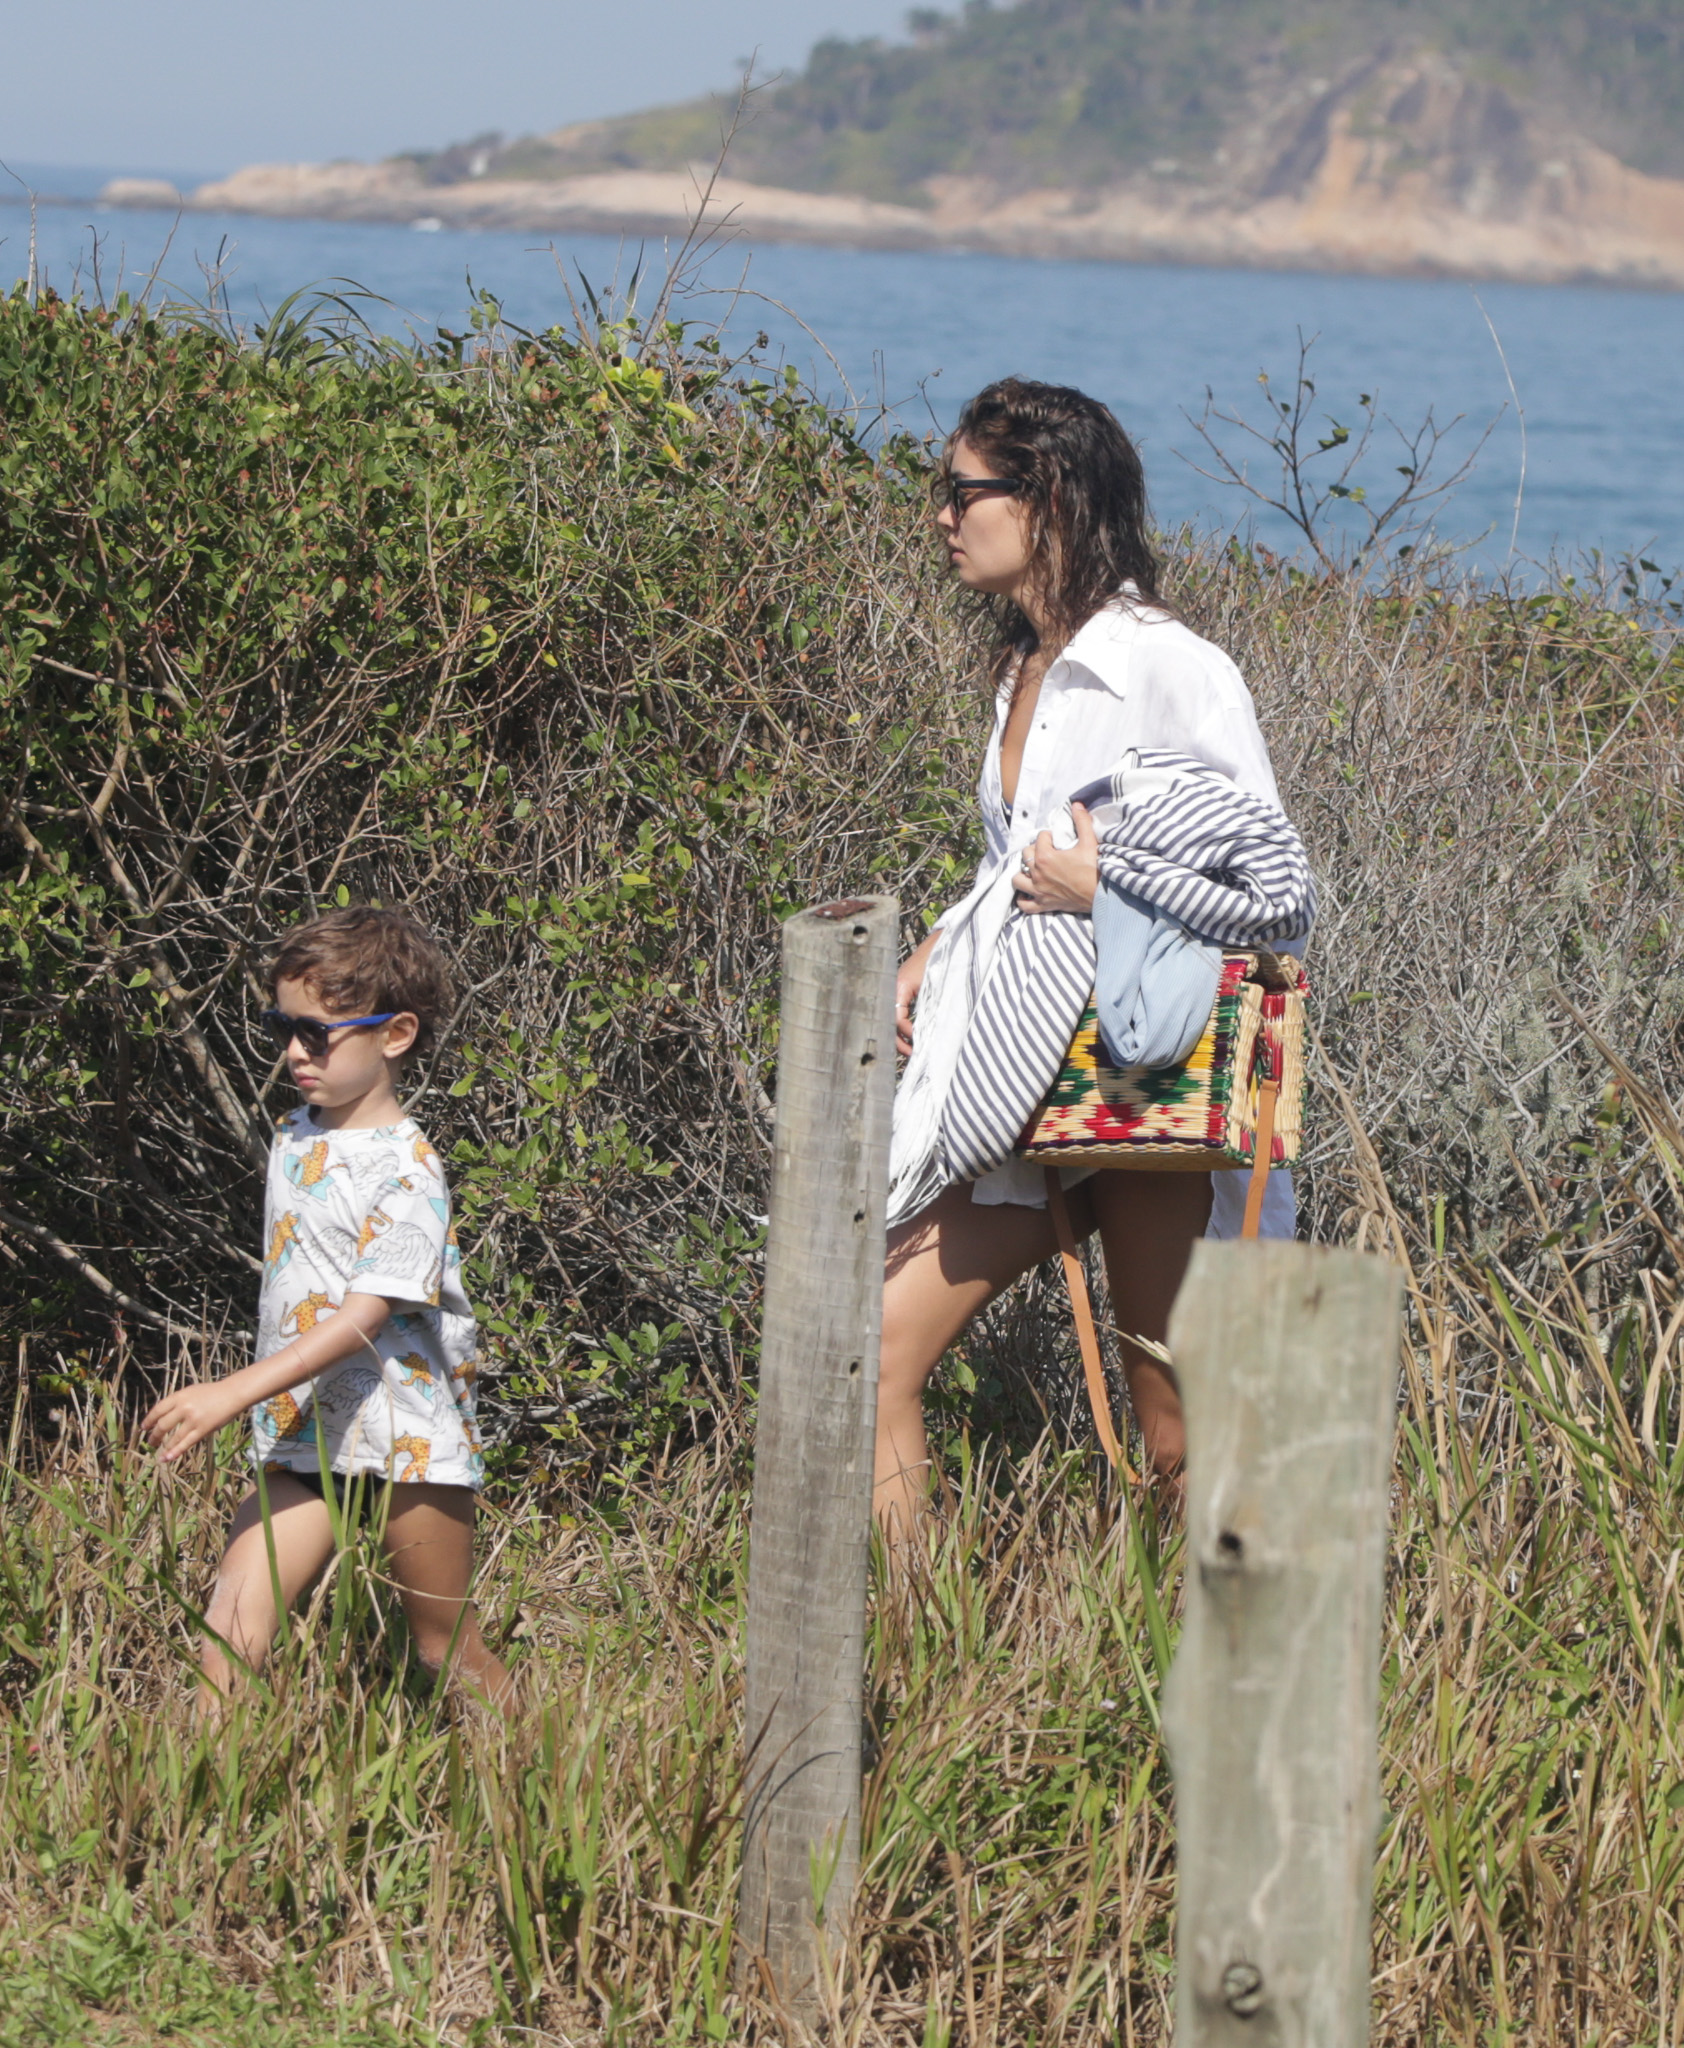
pixel 1082 482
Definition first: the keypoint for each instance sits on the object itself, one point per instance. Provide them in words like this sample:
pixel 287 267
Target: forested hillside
pixel 1084 92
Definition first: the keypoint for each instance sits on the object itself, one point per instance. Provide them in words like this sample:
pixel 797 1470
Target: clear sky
pixel 208 85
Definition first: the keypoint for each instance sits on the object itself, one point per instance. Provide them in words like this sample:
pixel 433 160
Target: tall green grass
pixel 604 654
pixel 425 1874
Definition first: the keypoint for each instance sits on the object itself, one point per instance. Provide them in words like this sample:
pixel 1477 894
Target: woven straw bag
pixel 1235 1102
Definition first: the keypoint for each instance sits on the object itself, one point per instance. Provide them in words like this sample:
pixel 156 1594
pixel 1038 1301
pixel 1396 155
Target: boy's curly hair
pixel 364 960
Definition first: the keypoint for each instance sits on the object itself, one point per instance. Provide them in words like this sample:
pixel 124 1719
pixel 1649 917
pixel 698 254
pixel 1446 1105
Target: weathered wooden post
pixel 809 1537
pixel 1287 1356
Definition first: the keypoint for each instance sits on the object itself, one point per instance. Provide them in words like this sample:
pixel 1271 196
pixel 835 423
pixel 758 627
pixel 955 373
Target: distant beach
pixel 1599 372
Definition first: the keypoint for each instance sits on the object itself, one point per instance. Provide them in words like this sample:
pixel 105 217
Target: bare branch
pixel 37 1233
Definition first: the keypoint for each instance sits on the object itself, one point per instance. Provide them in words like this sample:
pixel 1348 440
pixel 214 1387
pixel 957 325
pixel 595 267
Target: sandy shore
pixel 1585 218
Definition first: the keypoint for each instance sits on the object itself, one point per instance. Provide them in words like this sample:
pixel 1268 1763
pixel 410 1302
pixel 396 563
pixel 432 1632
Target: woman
pixel 1042 506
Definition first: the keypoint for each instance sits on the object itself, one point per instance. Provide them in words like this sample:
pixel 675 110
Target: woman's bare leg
pixel 242 1606
pixel 944 1267
pixel 1148 1223
pixel 430 1548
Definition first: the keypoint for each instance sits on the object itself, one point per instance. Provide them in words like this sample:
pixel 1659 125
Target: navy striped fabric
pixel 1225 863
pixel 1019 1033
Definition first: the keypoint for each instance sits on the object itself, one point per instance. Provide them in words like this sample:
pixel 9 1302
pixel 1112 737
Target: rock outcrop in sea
pixel 1403 166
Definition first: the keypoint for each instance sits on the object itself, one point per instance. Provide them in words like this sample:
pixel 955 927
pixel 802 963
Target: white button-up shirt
pixel 1129 678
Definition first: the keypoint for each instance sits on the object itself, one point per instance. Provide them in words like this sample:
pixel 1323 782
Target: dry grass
pixel 572 1882
pixel 1490 784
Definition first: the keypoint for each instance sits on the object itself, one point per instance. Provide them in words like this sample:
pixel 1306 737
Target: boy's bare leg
pixel 944 1267
pixel 242 1606
pixel 430 1547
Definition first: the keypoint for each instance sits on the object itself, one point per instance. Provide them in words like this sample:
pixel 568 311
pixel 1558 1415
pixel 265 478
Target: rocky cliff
pixel 1403 164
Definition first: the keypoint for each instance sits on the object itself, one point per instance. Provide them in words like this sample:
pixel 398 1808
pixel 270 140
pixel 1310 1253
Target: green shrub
pixel 605 654
pixel 599 652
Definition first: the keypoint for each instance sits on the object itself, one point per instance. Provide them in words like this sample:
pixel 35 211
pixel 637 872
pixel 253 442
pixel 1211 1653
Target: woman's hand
pixel 1060 878
pixel 907 984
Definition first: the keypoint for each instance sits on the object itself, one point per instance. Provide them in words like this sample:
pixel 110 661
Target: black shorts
pixel 355 1494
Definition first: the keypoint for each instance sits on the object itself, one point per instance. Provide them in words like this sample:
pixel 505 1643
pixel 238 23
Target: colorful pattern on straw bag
pixel 1202 1114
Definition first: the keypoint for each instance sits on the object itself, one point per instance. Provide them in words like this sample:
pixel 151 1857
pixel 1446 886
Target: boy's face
pixel 359 1065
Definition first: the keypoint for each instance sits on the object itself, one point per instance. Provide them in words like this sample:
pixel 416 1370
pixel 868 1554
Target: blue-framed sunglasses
pixel 312 1032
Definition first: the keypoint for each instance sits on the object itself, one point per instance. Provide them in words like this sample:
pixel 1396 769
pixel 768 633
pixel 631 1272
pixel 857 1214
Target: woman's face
pixel 989 542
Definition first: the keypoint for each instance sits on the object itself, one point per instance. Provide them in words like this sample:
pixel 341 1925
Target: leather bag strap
pixel 1263 1150
pixel 1076 1280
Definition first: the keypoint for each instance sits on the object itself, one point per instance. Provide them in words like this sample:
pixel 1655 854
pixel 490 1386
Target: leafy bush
pixel 605 654
pixel 601 655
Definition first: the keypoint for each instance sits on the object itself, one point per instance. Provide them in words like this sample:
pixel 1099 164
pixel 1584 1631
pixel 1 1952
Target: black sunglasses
pixel 948 489
pixel 312 1033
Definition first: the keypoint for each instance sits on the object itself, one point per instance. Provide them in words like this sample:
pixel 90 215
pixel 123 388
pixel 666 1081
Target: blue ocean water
pixel 1586 421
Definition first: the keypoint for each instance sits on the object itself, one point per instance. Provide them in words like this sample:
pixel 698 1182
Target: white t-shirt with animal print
pixel 367 1212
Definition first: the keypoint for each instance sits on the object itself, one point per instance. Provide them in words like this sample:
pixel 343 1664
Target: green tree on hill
pixel 1082 92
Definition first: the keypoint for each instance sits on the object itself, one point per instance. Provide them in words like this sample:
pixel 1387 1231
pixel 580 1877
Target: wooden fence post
pixel 809 1537
pixel 1287 1356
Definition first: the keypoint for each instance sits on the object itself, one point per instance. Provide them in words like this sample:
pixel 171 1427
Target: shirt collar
pixel 1102 644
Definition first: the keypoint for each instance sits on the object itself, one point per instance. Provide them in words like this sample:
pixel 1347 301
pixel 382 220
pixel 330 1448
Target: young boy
pixel 362 1321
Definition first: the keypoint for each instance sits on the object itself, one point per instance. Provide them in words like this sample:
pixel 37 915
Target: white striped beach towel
pixel 1004 992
